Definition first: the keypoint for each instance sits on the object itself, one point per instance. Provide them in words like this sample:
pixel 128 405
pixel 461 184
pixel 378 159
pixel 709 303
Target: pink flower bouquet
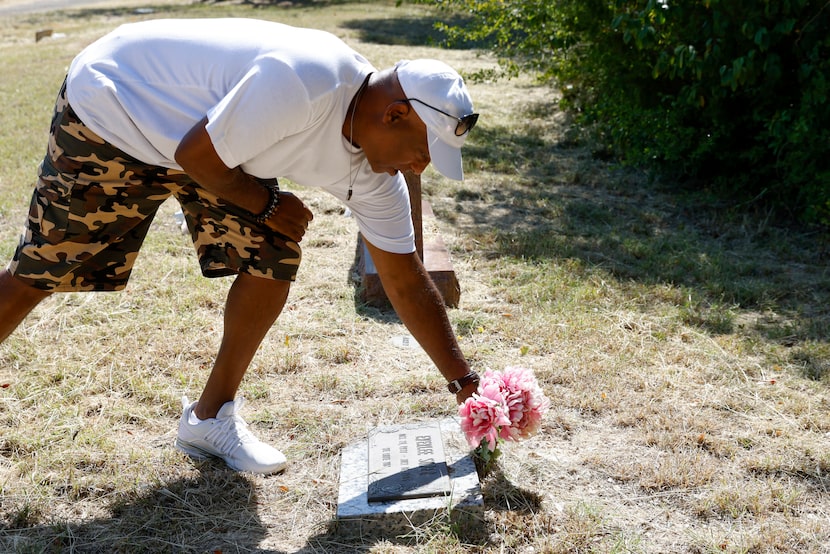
pixel 508 405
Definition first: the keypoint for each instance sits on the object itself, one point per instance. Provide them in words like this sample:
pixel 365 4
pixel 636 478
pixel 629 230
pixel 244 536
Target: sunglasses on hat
pixel 464 124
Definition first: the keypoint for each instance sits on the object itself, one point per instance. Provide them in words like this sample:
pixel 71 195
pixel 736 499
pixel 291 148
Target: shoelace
pixel 229 434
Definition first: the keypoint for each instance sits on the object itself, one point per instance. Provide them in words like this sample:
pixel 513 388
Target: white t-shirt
pixel 275 97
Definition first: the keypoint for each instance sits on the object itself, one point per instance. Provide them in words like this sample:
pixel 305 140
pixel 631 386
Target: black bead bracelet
pixel 273 200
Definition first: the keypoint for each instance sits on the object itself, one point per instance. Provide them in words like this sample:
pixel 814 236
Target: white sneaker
pixel 227 437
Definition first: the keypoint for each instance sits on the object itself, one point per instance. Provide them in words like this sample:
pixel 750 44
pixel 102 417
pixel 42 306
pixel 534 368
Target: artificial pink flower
pixel 492 386
pixel 525 402
pixel 481 418
pixel 508 405
pixel 516 396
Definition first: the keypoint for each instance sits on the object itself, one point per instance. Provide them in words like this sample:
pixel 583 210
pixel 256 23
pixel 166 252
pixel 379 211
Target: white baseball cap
pixel 441 99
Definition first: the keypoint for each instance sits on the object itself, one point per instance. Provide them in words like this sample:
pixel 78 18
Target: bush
pixel 728 94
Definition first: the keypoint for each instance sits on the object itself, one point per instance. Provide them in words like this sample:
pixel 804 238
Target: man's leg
pixel 213 427
pixel 17 299
pixel 252 307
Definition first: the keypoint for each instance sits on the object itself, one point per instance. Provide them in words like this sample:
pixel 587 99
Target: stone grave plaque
pixel 407 463
pixel 358 518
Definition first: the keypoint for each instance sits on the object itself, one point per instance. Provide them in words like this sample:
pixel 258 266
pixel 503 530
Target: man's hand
pixel 198 158
pixel 291 218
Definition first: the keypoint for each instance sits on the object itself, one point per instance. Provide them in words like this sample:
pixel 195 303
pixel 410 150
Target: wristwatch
pixel 456 385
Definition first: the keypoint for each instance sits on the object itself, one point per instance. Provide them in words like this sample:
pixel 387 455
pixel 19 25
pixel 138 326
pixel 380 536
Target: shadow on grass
pixel 503 495
pixel 409 30
pixel 470 531
pixel 200 8
pixel 215 511
pixel 556 204
pixel 406 30
pixel 498 492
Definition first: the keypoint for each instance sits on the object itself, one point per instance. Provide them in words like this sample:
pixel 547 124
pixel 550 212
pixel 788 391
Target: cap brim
pixel 445 158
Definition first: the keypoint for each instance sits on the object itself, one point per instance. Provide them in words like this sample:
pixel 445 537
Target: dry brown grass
pixel 684 350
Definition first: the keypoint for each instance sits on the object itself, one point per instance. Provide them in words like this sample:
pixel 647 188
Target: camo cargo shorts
pixel 93 205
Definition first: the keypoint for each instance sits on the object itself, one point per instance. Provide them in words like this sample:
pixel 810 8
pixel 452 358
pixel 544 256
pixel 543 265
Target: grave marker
pixel 403 476
pixel 407 463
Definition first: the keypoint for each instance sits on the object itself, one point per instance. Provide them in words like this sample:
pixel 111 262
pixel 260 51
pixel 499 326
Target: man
pixel 212 112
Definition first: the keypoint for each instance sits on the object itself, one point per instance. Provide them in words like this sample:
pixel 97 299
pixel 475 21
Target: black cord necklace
pixel 351 134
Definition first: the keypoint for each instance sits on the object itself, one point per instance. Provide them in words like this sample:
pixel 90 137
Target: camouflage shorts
pixel 92 207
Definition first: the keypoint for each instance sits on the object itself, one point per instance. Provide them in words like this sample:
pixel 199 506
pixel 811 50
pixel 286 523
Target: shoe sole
pixel 199 454
pixel 194 451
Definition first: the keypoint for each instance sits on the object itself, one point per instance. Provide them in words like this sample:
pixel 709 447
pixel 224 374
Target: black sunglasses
pixel 464 123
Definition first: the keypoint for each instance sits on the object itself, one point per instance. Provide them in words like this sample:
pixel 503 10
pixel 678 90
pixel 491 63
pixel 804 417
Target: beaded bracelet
pixel 273 200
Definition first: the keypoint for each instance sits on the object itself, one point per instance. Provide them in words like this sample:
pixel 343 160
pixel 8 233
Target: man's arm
pixel 198 158
pixel 421 308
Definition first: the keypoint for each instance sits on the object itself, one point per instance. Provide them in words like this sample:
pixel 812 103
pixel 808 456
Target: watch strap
pixel 456 385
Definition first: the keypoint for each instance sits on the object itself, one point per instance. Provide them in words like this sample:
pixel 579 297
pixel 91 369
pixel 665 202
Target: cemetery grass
pixel 683 346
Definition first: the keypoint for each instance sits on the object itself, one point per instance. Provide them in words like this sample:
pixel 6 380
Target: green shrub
pixel 728 94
